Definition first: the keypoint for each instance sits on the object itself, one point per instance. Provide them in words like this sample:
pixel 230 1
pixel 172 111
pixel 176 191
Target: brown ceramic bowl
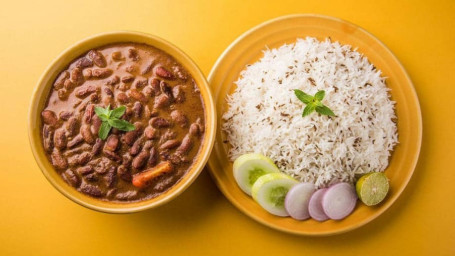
pixel 43 88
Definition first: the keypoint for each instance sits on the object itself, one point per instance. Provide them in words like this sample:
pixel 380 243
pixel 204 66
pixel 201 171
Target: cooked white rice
pixel 264 115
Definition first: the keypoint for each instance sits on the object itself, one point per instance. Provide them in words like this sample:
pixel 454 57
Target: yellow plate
pixel 248 48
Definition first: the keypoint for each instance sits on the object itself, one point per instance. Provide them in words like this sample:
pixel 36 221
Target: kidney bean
pixel 65 115
pixel 153 159
pixel 58 160
pixel 111 143
pixel 168 135
pixel 165 155
pixel 147 112
pixel 76 76
pixel 140 160
pixel 49 118
pixel 97 147
pixel 180 73
pixel 130 68
pixel 137 95
pixel 163 183
pixel 141 83
pixel 200 125
pixel 159 122
pixel 91 190
pixel 101 73
pixel 124 173
pixel 80 159
pixel 60 139
pixel 127 159
pixel 48 138
pixel 133 54
pixel 130 137
pixel 85 170
pixel 175 159
pixel 111 177
pixel 71 178
pixel 136 148
pixel 117 56
pixel 84 91
pixel 84 63
pixel 155 83
pixel 170 144
pixel 129 195
pixel 128 79
pixel 94 98
pixel 162 101
pixel 75 141
pixel 62 94
pixel 178 94
pixel 112 155
pixel 78 150
pixel 61 79
pixel 87 73
pixel 108 92
pixel 148 91
pixel 69 85
pixel 101 165
pixel 92 177
pixel 194 129
pixel 151 133
pixel 112 81
pixel 137 109
pixel 122 98
pixel 97 58
pixel 128 114
pixel 96 124
pixel 186 145
pixel 87 134
pixel 179 118
pixel 164 73
pixel 89 112
pixel 147 145
pixel 166 89
pixel 147 68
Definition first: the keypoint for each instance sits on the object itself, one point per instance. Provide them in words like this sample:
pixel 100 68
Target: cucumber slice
pixel 249 167
pixel 270 192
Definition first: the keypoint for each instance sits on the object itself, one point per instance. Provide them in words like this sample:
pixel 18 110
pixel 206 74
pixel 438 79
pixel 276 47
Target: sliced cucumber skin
pixel 246 163
pixel 263 187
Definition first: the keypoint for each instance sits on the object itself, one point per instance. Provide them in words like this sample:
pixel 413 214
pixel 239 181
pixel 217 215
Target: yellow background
pixel 35 219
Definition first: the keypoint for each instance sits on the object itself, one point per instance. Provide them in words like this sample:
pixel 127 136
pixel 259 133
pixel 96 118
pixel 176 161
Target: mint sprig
pixel 111 118
pixel 313 103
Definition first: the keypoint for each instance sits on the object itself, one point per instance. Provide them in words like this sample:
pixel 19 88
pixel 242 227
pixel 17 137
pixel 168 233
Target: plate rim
pixel 414 95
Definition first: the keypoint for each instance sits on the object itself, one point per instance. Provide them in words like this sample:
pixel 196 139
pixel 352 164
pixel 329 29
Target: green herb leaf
pixel 104 130
pixel 324 110
pixel 103 117
pixel 308 110
pixel 303 97
pixel 313 103
pixel 118 112
pixel 110 118
pixel 320 95
pixel 121 124
pixel 101 111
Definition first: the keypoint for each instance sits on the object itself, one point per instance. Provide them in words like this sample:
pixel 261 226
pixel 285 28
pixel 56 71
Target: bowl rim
pixel 390 201
pixel 196 168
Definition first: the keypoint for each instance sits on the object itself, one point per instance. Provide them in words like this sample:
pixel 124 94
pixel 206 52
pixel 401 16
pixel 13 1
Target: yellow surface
pixel 35 219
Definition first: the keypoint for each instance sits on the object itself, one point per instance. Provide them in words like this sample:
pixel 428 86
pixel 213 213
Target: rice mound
pixel 264 116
